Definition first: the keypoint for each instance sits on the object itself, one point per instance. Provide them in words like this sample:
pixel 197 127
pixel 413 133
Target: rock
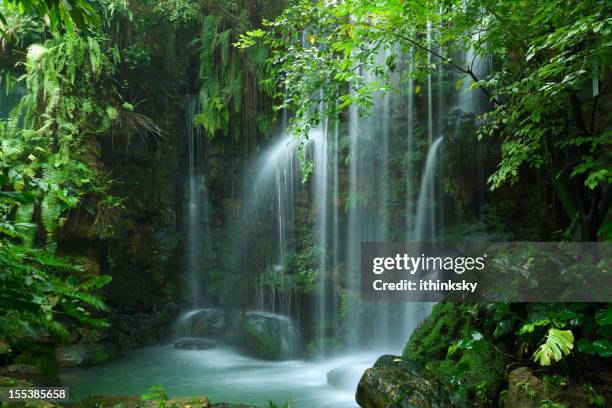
pixel 208 322
pixel 85 354
pixel 29 373
pixel 270 336
pixel 194 343
pixel 527 390
pixel 397 383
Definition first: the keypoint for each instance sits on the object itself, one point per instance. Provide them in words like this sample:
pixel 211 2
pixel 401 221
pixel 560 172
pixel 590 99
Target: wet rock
pixel 270 336
pixel 204 323
pixel 397 383
pixel 85 354
pixel 194 343
pixel 30 373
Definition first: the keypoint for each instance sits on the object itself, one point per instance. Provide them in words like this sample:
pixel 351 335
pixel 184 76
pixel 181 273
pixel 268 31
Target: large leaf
pixel 559 344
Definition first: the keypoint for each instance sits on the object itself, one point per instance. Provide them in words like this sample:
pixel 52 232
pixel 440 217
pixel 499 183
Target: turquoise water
pixel 222 375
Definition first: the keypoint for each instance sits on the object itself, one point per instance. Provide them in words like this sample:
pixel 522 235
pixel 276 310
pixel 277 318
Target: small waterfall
pixel 262 235
pixel 425 228
pixel 196 220
pixel 471 99
pixel 321 203
pixel 273 190
pixel 409 214
pixel 430 110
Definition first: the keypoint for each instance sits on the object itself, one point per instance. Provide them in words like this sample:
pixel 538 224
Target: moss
pixel 474 378
pixel 474 373
pixel 430 341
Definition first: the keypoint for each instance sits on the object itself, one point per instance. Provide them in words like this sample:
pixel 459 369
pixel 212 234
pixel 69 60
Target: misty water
pixel 223 375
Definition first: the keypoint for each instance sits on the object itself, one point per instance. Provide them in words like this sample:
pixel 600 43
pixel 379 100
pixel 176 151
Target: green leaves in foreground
pixel 559 344
pixel 36 286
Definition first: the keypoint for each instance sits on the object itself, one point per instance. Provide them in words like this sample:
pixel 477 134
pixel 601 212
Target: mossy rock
pixel 270 336
pixel 472 379
pixel 395 382
pixel 431 339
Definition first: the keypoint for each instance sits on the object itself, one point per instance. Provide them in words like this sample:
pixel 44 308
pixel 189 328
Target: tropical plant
pixel 71 14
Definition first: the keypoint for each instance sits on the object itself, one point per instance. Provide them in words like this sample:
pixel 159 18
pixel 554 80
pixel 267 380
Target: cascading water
pixel 272 193
pixel 351 202
pixel 425 229
pixel 196 220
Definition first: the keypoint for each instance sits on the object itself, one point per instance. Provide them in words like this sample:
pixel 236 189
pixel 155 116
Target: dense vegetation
pixel 75 66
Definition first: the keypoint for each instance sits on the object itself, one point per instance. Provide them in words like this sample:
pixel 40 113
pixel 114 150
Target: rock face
pixel 397 383
pixel 194 343
pixel 270 336
pixel 85 354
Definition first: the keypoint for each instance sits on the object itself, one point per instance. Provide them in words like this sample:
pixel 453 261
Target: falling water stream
pixel 197 227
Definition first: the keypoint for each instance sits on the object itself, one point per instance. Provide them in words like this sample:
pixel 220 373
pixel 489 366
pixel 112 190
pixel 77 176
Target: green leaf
pixel 559 344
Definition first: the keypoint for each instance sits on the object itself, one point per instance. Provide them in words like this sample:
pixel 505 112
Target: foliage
pixel 272 404
pixel 178 12
pixel 50 167
pixel 546 58
pixel 49 133
pixel 559 344
pixel 227 74
pixel 157 393
pixel 72 14
pixel 37 286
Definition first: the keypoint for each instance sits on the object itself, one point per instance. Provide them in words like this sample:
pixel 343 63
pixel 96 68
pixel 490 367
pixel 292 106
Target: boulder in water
pixel 194 343
pixel 270 336
pixel 207 322
pixel 395 382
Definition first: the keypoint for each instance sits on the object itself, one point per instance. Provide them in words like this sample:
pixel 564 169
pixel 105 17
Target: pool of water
pixel 223 375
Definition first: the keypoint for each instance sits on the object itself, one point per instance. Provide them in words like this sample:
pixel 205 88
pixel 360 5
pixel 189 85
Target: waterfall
pixel 409 214
pixel 321 202
pixel 196 220
pixel 368 207
pixel 425 229
pixel 271 192
pixel 351 197
pixel 471 99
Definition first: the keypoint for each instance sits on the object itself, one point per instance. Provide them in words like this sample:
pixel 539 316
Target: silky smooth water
pixel 222 375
